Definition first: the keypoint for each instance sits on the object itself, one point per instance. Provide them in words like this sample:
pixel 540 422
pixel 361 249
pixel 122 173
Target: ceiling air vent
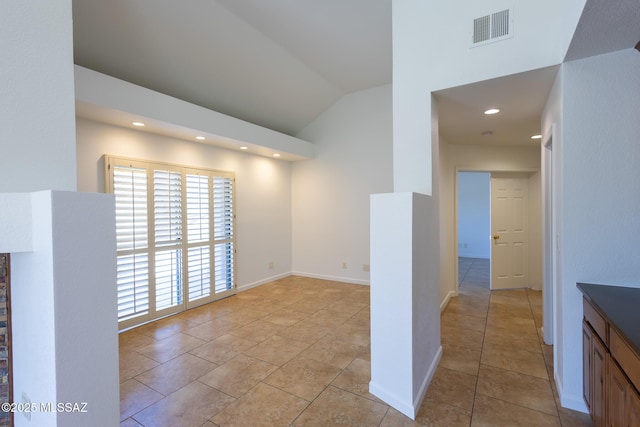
pixel 492 28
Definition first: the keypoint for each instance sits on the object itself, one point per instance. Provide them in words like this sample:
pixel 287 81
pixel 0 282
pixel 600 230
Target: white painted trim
pixel 248 286
pixel 405 408
pixel 427 380
pixel 447 299
pixel 334 278
pixel 573 402
pixel 409 409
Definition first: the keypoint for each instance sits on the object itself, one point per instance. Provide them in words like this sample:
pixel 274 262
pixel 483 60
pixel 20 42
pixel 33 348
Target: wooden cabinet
pixel 611 373
pixel 595 358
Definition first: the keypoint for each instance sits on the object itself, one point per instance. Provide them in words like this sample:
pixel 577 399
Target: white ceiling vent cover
pixel 492 28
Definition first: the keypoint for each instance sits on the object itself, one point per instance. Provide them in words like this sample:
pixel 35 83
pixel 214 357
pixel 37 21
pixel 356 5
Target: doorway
pixel 514 261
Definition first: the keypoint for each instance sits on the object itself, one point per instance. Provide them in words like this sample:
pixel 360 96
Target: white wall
pixel 263 189
pixel 474 214
pixel 599 223
pixel 37 136
pixel 64 315
pixel 431 51
pixel 331 192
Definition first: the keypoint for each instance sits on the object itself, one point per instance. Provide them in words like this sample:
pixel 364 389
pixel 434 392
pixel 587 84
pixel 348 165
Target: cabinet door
pixel 598 372
pixel 632 408
pixel 616 398
pixel 587 336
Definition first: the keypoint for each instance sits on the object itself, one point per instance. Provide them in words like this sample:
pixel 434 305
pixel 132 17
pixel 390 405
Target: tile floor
pixel 295 352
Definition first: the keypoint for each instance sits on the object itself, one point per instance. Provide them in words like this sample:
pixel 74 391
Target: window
pixel 175 237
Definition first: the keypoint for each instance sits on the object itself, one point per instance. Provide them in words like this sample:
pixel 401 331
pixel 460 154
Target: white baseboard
pixel 248 286
pixel 445 303
pixel 573 402
pixel 410 409
pixel 334 278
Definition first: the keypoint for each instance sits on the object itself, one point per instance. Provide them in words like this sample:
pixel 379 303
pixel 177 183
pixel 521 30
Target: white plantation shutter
pixel 175 237
pixel 167 207
pixel 223 226
pixel 199 267
pixel 132 243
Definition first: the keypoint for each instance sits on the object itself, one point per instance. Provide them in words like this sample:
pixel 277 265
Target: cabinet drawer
pixel 626 357
pixel 596 321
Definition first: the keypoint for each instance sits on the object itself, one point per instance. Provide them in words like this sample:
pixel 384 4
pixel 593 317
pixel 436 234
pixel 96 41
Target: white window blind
pixel 175 237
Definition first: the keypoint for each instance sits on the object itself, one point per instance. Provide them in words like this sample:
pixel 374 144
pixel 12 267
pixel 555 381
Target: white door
pixel 510 230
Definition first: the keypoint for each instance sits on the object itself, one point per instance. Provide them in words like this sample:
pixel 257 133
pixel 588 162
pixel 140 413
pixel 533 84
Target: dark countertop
pixel 620 305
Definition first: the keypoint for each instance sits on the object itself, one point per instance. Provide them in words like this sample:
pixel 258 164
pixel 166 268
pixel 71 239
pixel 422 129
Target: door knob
pixel 496 237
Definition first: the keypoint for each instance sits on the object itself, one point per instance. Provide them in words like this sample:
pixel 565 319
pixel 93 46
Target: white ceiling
pixel 281 63
pixel 276 63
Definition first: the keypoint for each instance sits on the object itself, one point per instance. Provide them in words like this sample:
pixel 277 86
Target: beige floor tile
pixel 305 331
pixel 569 418
pixel 453 388
pixel 461 337
pixel 133 340
pixel 510 310
pixel 209 424
pixel 460 359
pixel 352 333
pixel 512 339
pixel 134 397
pixel 432 414
pixel 515 324
pixel 211 329
pixel 223 349
pixel 519 389
pixel 258 330
pixel 468 306
pixel 190 406
pixel 286 317
pixel 302 377
pixel 329 318
pixel 347 306
pixel 339 407
pixel 277 350
pixel 238 375
pixel 176 373
pixel 462 321
pixel 474 291
pixel 490 412
pixel 173 346
pixel 133 363
pixel 355 378
pixel 263 405
pixel 512 359
pixel 164 328
pixel 333 352
pixel 306 307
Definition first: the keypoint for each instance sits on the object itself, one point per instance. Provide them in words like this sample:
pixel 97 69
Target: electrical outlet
pixel 344 265
pixel 366 267
pixel 270 264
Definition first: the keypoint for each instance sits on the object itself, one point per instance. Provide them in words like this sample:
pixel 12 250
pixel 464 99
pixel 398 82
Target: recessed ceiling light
pixel 200 138
pixel 139 124
pixel 492 111
pixel 536 136
pixel 244 148
pixel 487 133
pixel 276 155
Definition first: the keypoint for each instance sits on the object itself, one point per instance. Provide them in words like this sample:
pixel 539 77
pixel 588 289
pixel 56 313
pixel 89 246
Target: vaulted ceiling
pixel 281 63
pixel 275 63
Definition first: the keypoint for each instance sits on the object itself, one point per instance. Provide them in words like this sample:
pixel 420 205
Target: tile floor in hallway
pixel 296 352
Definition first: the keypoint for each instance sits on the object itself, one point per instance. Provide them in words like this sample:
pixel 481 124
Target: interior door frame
pixel 548 233
pixel 459 169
